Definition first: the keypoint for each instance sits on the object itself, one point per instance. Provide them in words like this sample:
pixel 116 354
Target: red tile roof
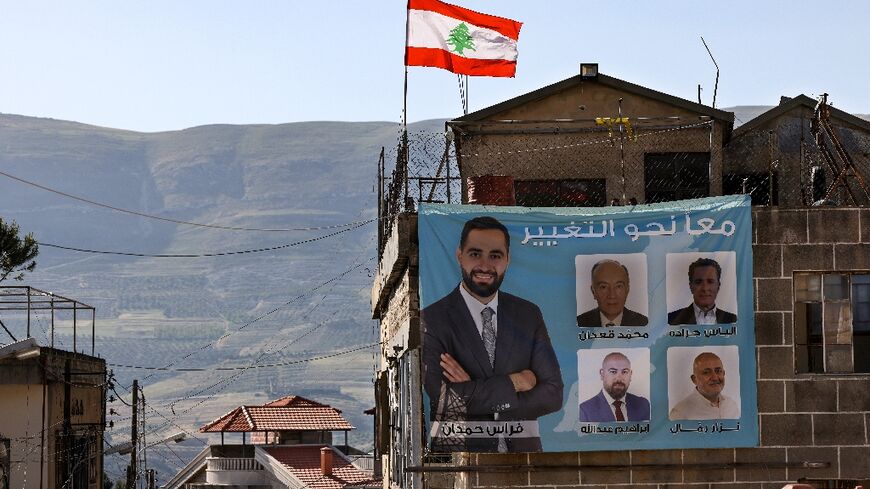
pixel 291 413
pixel 303 461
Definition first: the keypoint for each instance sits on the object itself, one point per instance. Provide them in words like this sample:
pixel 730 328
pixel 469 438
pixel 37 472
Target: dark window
pixel 757 185
pixel 818 183
pixel 676 176
pixel 4 463
pixel 832 322
pixel 561 193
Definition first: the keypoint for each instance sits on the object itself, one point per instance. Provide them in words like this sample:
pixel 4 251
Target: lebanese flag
pixel 460 40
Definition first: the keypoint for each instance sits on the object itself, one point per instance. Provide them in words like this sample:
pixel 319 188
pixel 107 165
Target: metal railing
pixel 20 307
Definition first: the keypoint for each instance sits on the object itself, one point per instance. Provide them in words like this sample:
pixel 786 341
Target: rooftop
pixel 303 461
pixel 290 413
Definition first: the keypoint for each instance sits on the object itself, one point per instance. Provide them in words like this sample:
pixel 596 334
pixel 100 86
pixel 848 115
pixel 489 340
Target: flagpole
pixel 405 103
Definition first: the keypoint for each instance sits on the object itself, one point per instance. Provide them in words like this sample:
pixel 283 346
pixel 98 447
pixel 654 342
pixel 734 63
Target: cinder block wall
pixel 803 417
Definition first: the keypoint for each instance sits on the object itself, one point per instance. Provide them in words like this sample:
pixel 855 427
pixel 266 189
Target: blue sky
pixel 169 64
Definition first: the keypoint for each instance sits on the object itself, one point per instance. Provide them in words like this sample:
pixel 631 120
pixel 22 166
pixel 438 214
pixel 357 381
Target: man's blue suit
pixel 596 409
pixel 522 343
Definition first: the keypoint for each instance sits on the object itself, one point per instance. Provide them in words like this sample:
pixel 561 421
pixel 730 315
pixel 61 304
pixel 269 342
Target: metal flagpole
pixel 405 105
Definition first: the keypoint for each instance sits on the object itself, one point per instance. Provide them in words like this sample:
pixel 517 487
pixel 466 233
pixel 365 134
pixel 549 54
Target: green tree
pixel 16 254
pixel 460 39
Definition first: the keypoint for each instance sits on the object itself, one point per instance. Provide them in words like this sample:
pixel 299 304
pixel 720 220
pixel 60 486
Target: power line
pixel 206 255
pixel 175 221
pixel 240 371
pixel 260 317
pixel 247 367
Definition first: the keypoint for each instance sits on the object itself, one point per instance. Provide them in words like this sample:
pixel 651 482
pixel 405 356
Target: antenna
pixel 716 86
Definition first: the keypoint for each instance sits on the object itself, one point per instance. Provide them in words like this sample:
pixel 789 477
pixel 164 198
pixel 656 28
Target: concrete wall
pixel 36 436
pixel 21 422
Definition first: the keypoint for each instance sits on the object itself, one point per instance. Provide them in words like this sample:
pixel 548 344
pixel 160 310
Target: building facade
pixel 595 141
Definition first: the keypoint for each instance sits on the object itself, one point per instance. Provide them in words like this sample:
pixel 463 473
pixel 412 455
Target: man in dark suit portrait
pixel 610 286
pixel 487 355
pixel 705 276
pixel 614 402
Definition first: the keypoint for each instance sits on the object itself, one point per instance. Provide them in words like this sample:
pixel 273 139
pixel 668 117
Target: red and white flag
pixel 460 40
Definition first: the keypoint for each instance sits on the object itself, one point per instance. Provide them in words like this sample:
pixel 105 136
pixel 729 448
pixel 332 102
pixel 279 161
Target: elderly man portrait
pixel 610 287
pixel 705 278
pixel 487 355
pixel 614 402
pixel 707 400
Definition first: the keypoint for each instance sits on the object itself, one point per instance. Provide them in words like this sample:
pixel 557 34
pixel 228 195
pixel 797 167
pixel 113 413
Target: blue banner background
pixel 543 271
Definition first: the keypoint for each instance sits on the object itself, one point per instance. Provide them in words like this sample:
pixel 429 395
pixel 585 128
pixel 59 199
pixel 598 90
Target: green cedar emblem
pixel 460 39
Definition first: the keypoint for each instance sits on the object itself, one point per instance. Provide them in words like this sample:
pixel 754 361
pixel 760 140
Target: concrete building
pixel 556 146
pixel 52 401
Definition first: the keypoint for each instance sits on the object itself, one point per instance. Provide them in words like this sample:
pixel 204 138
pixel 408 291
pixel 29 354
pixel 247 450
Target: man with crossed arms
pixel 487 355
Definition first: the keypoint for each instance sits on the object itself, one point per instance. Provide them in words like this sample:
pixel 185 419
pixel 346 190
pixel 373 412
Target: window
pixel 832 322
pixel 757 185
pixel 675 176
pixel 4 463
pixel 561 193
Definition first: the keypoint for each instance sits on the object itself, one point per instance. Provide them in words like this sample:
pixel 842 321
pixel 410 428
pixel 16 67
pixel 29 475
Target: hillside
pixel 157 311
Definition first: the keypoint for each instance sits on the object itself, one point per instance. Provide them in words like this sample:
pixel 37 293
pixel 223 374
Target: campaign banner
pixel 579 329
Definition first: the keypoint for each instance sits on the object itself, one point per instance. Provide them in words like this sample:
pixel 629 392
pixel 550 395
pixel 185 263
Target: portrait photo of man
pixel 487 355
pixel 707 400
pixel 610 286
pixel 705 281
pixel 613 402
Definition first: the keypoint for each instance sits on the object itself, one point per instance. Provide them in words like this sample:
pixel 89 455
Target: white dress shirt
pixel 475 307
pixel 704 317
pixel 617 321
pixel 696 406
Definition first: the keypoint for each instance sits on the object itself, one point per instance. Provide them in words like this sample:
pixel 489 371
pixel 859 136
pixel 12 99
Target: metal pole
pixel 405 104
pixel 52 320
pixel 622 148
pixel 28 312
pixel 93 331
pixel 67 420
pixel 75 311
pixel 769 168
pixel 131 473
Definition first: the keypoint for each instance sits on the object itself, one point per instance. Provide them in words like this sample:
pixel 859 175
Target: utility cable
pixel 227 381
pixel 247 367
pixel 206 255
pixel 268 350
pixel 262 316
pixel 175 221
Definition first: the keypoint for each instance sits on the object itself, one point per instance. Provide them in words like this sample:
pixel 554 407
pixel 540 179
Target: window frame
pixel 805 338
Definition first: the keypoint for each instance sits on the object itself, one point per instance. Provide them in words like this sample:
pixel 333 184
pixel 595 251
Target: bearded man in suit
pixel 487 356
pixel 614 402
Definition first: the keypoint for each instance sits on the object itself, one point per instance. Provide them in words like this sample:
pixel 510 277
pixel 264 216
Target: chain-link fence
pixel 797 160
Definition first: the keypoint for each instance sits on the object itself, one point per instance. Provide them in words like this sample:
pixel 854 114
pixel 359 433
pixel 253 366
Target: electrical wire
pixel 205 255
pixel 248 367
pixel 266 351
pixel 174 221
pixel 262 316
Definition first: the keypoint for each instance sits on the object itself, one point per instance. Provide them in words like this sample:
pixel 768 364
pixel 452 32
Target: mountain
pixel 283 306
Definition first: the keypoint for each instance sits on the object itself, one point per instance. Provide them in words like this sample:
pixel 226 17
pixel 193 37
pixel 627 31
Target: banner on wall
pixel 564 329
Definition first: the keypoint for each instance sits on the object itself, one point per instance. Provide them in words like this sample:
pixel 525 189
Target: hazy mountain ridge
pixel 154 311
